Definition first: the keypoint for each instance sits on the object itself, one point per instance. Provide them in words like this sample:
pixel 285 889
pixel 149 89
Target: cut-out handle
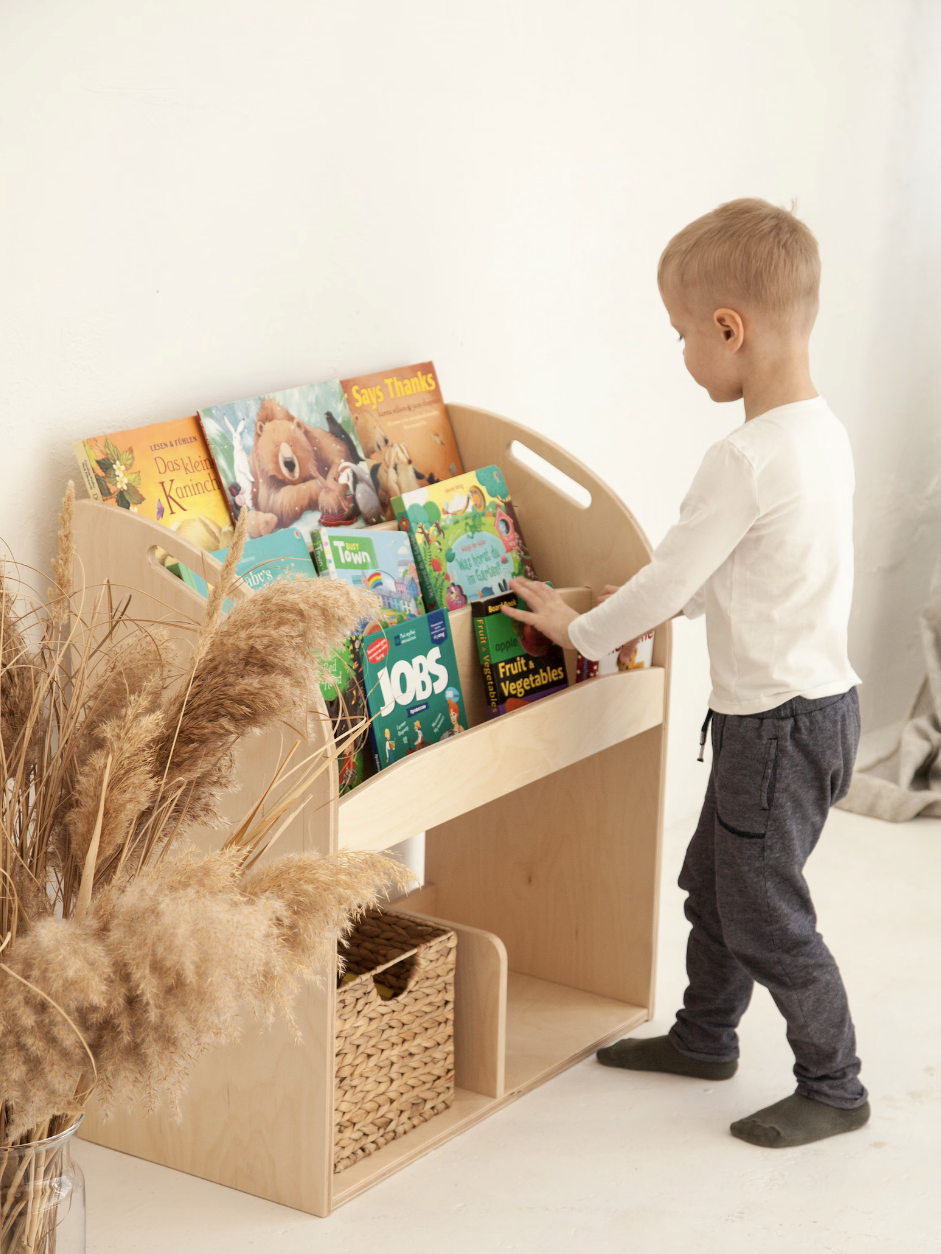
pixel 556 478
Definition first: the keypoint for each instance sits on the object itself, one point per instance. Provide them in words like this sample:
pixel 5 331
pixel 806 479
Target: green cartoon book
pixel 413 690
pixel 466 538
pixel 519 663
pixel 380 562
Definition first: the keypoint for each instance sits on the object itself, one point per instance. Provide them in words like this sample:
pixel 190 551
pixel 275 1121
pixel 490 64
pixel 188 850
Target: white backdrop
pixel 205 199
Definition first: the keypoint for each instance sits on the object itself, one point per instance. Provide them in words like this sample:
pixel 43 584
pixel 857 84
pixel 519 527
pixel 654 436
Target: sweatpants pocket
pixel 745 772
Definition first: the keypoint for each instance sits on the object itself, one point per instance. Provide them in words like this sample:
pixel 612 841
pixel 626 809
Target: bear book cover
pixel 466 538
pixel 413 690
pixel 404 430
pixel 292 458
pixel 163 472
pixel 519 663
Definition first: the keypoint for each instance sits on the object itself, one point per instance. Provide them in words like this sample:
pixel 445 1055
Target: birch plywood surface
pixel 492 760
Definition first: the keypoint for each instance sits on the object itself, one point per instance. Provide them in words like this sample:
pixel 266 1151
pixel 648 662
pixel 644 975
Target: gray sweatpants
pixel 774 778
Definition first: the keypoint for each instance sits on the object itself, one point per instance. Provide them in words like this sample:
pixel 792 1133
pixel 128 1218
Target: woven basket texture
pixel 394 1058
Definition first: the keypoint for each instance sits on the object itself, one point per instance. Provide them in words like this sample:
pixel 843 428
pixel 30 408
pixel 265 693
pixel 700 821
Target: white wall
pixel 204 199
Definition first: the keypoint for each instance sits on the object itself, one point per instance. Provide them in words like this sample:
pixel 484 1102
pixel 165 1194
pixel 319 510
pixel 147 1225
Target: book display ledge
pixel 543 835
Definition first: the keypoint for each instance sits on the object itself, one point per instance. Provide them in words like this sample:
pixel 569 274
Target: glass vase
pixel 42 1197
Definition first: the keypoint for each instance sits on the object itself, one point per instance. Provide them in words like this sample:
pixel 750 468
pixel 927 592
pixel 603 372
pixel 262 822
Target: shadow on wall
pixel 898 501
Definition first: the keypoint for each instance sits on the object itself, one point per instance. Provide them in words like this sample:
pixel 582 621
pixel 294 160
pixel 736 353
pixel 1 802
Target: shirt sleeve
pixel 720 506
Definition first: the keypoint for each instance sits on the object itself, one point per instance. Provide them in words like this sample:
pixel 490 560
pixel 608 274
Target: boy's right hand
pixel 607 591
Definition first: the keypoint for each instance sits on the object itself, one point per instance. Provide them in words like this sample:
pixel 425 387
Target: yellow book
pixel 164 472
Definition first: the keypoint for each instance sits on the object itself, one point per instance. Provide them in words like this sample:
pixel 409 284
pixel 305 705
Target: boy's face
pixel 711 344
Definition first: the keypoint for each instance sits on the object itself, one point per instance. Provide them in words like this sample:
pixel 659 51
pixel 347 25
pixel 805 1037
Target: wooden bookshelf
pixel 542 851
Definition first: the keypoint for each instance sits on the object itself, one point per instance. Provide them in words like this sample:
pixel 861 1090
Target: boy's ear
pixel 731 328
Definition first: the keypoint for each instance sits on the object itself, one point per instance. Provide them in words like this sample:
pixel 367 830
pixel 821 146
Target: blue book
pixel 282 555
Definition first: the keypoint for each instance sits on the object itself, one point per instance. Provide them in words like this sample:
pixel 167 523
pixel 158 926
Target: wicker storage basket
pixel 395 1057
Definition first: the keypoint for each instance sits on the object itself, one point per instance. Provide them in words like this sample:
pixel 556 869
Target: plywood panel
pixel 479 1008
pixel 494 759
pixel 257 1115
pixel 561 871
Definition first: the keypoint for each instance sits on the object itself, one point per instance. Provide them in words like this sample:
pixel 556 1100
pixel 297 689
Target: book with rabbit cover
pixel 519 663
pixel 466 538
pixel 404 429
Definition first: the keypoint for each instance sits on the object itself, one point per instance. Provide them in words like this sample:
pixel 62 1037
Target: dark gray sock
pixel 658 1053
pixel 798 1121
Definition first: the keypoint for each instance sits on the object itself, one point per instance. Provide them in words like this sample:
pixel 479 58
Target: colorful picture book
pixel 610 664
pixel 404 430
pixel 466 538
pixel 284 555
pixel 413 690
pixel 163 472
pixel 519 663
pixel 293 459
pixel 380 562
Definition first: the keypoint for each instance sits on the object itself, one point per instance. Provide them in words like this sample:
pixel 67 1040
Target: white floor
pixel 600 1159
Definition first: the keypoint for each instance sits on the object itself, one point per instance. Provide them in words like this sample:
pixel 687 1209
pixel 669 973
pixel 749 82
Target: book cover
pixel 404 430
pixel 380 562
pixel 413 690
pixel 519 663
pixel 466 538
pixel 641 658
pixel 284 555
pixel 163 472
pixel 293 459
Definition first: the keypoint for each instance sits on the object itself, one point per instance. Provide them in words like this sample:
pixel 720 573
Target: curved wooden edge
pixel 495 758
pixel 480 982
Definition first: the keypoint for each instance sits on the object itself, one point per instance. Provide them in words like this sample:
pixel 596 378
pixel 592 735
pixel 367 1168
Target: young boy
pixel 764 547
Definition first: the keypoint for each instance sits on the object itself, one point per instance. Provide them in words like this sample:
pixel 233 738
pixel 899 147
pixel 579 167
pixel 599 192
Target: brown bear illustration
pixel 295 468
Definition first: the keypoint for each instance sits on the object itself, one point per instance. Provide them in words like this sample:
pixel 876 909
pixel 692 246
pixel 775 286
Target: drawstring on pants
pixel 703 734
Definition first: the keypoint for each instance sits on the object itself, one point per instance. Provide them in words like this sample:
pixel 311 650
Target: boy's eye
pixel 680 339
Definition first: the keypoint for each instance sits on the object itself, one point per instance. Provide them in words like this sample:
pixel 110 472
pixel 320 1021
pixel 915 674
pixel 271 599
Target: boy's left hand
pixel 547 612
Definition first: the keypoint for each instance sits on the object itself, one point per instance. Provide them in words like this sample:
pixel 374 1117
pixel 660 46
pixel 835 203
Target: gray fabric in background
pixel 900 777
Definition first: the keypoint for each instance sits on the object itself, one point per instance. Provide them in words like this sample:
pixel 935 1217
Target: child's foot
pixel 658 1053
pixel 798 1121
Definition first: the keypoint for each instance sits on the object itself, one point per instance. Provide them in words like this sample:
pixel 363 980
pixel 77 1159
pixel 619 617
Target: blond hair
pixel 746 250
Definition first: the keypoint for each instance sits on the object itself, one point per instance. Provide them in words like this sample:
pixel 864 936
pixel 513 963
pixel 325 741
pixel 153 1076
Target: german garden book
pixel 404 430
pixel 466 538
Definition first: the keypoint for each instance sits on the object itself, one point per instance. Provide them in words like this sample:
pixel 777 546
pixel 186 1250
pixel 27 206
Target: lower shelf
pixel 548 1028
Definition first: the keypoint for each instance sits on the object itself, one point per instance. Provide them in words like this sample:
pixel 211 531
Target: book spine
pixel 85 466
pixel 319 555
pixel 483 652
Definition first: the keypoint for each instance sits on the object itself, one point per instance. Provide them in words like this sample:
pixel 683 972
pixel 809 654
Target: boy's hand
pixel 547 612
pixel 607 591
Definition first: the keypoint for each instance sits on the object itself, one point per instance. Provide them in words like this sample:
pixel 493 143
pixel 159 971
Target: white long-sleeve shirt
pixel 763 546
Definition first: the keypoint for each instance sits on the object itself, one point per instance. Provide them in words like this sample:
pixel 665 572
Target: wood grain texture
pixel 544 832
pixel 561 870
pixel 240 1121
pixel 507 753
pixel 480 978
pixel 548 1029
